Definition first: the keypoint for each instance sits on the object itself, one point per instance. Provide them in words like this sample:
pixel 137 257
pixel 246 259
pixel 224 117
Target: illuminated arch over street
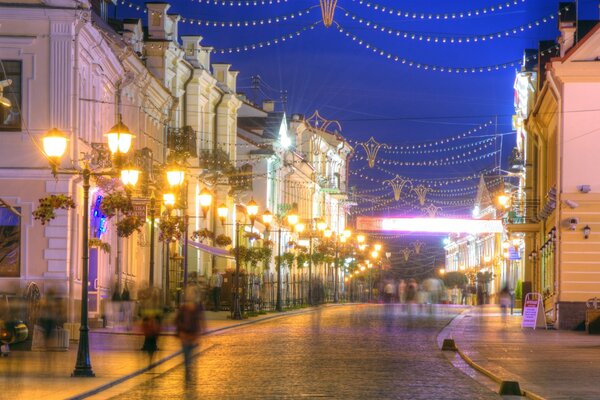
pixel 441 225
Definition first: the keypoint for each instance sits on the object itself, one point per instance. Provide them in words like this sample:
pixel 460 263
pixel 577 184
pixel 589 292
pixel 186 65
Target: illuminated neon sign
pixel 442 225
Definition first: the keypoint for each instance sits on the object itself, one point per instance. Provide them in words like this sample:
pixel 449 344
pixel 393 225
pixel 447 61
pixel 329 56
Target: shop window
pixel 10 100
pixel 10 242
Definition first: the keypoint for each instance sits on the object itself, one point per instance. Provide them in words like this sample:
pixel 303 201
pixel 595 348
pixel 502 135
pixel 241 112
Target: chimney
pixel 567 25
pixel 233 80
pixel 221 73
pixel 268 105
pixel 157 20
pixel 172 27
pixel 191 46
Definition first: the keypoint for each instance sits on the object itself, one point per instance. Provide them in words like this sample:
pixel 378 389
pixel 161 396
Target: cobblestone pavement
pixel 348 352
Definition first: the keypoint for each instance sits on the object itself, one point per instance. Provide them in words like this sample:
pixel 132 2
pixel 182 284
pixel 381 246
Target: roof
pixel 267 127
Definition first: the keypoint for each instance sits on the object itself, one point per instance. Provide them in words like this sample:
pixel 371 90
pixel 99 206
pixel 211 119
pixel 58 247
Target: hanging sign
pixel 139 208
pixel 533 312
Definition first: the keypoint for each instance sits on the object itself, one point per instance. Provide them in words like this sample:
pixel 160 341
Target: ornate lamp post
pixel 222 212
pixel 292 219
pixel 55 144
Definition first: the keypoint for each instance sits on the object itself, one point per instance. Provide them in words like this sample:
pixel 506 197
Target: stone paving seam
pixel 450 326
pixel 133 374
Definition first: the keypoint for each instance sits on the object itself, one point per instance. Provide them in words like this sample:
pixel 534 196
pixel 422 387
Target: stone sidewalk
pixel 115 358
pixel 549 364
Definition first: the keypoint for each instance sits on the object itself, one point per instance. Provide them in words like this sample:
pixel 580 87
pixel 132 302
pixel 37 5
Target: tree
pixel 455 278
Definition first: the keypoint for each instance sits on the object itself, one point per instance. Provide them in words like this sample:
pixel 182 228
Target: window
pixel 10 243
pixel 10 116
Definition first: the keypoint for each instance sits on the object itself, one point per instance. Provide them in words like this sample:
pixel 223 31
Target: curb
pixel 163 360
pixel 524 392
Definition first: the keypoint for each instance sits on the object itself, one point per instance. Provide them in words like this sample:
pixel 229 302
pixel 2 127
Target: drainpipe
pixel 559 153
pixel 213 260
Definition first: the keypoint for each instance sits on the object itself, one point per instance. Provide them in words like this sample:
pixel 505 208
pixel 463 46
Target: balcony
pixel 240 179
pixel 182 141
pixel 216 160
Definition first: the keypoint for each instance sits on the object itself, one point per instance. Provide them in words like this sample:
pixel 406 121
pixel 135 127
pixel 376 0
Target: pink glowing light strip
pixel 443 225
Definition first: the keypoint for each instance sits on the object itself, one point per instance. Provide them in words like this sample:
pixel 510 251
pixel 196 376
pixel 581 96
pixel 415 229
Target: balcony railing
pixel 241 178
pixel 183 141
pixel 215 161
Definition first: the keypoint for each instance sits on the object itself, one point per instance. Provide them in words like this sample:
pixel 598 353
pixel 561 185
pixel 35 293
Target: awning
pixel 215 251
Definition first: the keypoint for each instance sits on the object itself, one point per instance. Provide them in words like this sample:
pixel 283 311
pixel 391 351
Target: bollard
pixel 509 388
pixel 449 345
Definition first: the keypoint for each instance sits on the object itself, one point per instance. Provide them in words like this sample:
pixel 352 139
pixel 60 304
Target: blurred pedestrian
pixel 190 322
pixel 504 300
pixel 151 314
pixel 402 291
pixel 215 282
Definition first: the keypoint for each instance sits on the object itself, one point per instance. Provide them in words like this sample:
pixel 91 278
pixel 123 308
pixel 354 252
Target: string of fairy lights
pixel 438 68
pixel 227 24
pixel 328 8
pixel 438 16
pixel 453 39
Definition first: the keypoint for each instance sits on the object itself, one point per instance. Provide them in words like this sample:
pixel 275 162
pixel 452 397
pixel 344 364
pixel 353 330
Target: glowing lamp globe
pixel 292 219
pixel 299 227
pixel 267 218
pixel 55 143
pixel 252 208
pixel 205 198
pixel 360 238
pixel 321 226
pixel 222 212
pixel 119 138
pixel 169 199
pixel 175 176
pixel 377 247
pixel 130 176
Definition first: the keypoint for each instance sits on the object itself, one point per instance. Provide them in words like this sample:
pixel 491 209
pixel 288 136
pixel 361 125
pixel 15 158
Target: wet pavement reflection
pixel 347 352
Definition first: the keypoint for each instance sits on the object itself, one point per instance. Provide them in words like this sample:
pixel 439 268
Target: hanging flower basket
pixel 171 228
pixel 46 211
pixel 105 247
pixel 128 225
pixel 202 235
pixel 116 202
pixel 223 240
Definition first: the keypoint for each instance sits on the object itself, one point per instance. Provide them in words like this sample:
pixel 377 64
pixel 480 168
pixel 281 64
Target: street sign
pixel 139 208
pixel 533 312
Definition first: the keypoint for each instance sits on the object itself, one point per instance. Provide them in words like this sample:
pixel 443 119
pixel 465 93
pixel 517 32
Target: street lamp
pixel 55 145
pixel 292 220
pixel 205 199
pixel 222 212
pixel 343 237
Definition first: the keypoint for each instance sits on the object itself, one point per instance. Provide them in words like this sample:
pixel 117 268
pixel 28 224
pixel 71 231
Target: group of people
pixel 190 323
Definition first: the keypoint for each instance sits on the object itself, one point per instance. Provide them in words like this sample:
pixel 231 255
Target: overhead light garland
pixel 391 148
pixel 228 24
pixel 442 161
pixel 431 210
pixel 440 68
pixel 439 16
pixel 240 3
pixel 453 39
pixel 328 10
pixel 397 184
pixel 431 182
pixel 371 148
